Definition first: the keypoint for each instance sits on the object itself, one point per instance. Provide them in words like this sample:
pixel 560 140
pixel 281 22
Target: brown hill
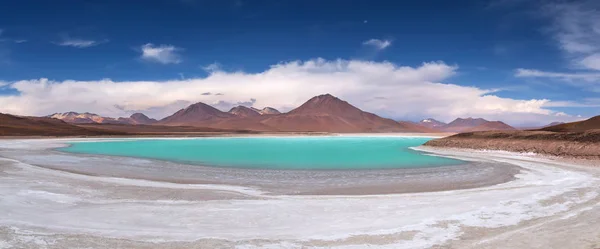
pixel 203 115
pixel 137 119
pixel 242 111
pixel 475 124
pixel 43 126
pixel 581 126
pixel 463 124
pixel 195 115
pixel 326 113
pixel 584 144
pixel 491 126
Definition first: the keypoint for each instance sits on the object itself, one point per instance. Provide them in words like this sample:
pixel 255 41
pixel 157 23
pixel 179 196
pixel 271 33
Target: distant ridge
pixel 581 126
pixel 11 125
pixel 92 118
pixel 432 123
pixel 491 126
pixel 82 118
pixel 474 124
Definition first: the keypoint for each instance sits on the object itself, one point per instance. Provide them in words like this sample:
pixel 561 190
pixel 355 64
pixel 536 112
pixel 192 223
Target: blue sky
pixel 509 49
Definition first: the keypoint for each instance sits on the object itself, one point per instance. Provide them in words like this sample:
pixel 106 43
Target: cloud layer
pixel 577 29
pixel 164 54
pixel 378 44
pixel 381 87
pixel 79 43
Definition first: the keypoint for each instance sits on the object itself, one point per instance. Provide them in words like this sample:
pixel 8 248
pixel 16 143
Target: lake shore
pixel 546 201
pixel 42 153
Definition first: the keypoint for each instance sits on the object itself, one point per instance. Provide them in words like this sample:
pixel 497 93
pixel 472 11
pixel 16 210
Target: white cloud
pixel 165 54
pixel 378 44
pixel 591 61
pixel 381 87
pixel 578 77
pixel 213 67
pixel 79 43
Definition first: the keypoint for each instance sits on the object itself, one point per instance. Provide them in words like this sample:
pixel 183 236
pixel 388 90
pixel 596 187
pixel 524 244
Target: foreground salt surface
pixel 43 208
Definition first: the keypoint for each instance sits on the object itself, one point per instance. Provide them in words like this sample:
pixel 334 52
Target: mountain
pixel 491 126
pixel 269 111
pixel 326 113
pixel 431 123
pixel 581 126
pixel 463 124
pixel 242 111
pixel 44 126
pixel 137 119
pixel 195 115
pixel 474 124
pixel 83 118
pixel 266 111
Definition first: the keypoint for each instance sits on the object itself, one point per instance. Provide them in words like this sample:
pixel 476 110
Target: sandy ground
pixel 549 204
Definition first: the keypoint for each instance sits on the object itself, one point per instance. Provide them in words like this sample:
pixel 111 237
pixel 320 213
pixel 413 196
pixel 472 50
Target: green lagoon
pixel 314 153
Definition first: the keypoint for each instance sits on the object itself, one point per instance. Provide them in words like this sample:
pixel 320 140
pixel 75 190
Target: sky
pixel 523 62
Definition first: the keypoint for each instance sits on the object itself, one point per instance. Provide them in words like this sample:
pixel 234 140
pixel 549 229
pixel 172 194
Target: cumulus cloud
pixel 79 43
pixel 164 54
pixel 384 88
pixel 378 44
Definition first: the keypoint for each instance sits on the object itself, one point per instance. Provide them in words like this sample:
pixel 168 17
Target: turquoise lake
pixel 336 152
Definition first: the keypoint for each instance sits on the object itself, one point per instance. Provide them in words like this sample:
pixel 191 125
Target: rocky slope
pixel 592 123
pixel 585 144
pixel 577 140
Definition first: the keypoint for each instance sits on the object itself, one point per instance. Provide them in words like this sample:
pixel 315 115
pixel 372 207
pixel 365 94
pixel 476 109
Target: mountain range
pixel 11 125
pixel 465 125
pixel 323 113
pixel 91 118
